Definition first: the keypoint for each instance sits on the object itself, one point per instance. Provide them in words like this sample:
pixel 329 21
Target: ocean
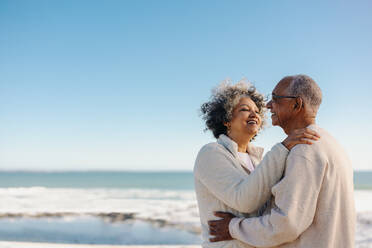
pixel 132 208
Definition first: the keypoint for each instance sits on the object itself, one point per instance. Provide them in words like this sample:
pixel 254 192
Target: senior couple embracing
pixel 300 194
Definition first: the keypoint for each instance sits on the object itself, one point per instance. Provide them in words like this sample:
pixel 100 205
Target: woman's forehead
pixel 247 101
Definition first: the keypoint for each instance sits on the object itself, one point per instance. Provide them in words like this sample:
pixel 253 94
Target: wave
pixel 133 193
pixel 114 217
pixel 93 230
pixel 159 207
pixel 176 208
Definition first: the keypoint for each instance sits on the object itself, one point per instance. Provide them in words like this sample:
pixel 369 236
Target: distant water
pixel 123 180
pixel 86 180
pixel 363 180
pixel 155 208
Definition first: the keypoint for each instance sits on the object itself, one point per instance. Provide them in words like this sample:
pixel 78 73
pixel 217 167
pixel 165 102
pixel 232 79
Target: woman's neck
pixel 243 147
pixel 241 141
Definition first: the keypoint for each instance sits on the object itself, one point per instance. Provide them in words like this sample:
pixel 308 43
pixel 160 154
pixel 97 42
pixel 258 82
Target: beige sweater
pixel 222 183
pixel 314 202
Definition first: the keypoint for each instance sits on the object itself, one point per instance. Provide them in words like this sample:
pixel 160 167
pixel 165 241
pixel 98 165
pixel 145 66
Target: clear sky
pixel 118 84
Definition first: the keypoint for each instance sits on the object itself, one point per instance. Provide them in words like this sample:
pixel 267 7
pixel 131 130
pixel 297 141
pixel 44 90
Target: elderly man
pixel 313 204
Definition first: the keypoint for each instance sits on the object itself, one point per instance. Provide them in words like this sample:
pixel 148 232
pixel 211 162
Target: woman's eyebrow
pixel 241 105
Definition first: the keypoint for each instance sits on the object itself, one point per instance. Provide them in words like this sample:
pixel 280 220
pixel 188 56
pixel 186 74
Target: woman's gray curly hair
pixel 224 98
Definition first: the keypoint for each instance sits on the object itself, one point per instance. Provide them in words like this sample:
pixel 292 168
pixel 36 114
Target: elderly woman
pixel 228 173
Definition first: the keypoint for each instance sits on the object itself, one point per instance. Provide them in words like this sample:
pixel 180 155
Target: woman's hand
pixel 300 136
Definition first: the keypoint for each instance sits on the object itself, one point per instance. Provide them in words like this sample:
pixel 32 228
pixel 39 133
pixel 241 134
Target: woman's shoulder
pixel 211 147
pixel 211 153
pixel 209 156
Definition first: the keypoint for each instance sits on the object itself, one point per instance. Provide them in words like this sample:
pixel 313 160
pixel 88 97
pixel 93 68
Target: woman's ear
pixel 228 126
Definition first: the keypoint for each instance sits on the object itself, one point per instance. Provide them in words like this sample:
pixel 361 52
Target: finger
pixel 313 133
pixel 310 131
pixel 213 222
pixel 213 232
pixel 216 239
pixel 305 141
pixel 306 130
pixel 221 214
pixel 214 228
pixel 309 136
pixel 301 141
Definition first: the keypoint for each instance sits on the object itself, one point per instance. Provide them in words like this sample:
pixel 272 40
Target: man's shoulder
pixel 319 150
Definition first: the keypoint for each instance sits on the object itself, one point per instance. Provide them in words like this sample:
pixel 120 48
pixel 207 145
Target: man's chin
pixel 274 121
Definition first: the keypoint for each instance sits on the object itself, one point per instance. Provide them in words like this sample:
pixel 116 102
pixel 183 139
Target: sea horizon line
pixel 112 170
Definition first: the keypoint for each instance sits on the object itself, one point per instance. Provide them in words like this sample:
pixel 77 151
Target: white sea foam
pixel 363 200
pixel 172 207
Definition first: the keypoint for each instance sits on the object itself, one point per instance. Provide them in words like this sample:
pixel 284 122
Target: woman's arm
pixel 215 168
pixel 245 193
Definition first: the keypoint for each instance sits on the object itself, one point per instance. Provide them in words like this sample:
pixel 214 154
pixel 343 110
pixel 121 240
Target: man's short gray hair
pixel 305 87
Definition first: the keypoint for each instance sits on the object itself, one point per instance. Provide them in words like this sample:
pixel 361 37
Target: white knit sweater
pixel 314 202
pixel 222 184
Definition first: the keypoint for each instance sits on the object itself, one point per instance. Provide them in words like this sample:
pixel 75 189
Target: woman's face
pixel 245 119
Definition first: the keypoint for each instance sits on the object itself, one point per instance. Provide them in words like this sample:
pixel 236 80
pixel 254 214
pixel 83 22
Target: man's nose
pixel 269 105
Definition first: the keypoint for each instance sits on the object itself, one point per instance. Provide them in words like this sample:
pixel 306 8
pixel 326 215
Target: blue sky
pixel 118 84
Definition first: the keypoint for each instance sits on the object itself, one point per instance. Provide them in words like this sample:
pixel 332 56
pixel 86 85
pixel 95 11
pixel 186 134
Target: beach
pixel 363 239
pixel 103 210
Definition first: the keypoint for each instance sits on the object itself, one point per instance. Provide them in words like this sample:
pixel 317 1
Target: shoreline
pixel 116 218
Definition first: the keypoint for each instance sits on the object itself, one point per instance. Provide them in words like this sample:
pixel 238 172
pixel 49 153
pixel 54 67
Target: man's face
pixel 281 108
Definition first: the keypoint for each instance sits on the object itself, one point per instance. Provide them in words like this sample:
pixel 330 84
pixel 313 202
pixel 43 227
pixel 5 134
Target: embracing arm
pixel 295 199
pixel 245 193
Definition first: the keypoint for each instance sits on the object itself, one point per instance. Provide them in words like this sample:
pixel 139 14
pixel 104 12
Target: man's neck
pixel 302 123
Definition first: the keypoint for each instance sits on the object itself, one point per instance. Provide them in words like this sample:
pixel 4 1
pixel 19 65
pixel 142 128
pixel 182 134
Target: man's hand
pixel 300 136
pixel 220 228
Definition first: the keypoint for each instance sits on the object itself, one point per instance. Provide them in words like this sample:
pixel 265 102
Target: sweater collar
pixel 254 152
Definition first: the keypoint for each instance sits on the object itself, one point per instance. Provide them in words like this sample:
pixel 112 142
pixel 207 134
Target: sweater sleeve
pixel 295 204
pixel 245 193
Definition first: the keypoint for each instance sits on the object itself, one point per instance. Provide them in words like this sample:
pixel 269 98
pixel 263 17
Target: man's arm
pixel 295 199
pixel 245 193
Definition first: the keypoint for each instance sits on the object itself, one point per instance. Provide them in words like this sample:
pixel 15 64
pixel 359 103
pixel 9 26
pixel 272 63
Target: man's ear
pixel 299 104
